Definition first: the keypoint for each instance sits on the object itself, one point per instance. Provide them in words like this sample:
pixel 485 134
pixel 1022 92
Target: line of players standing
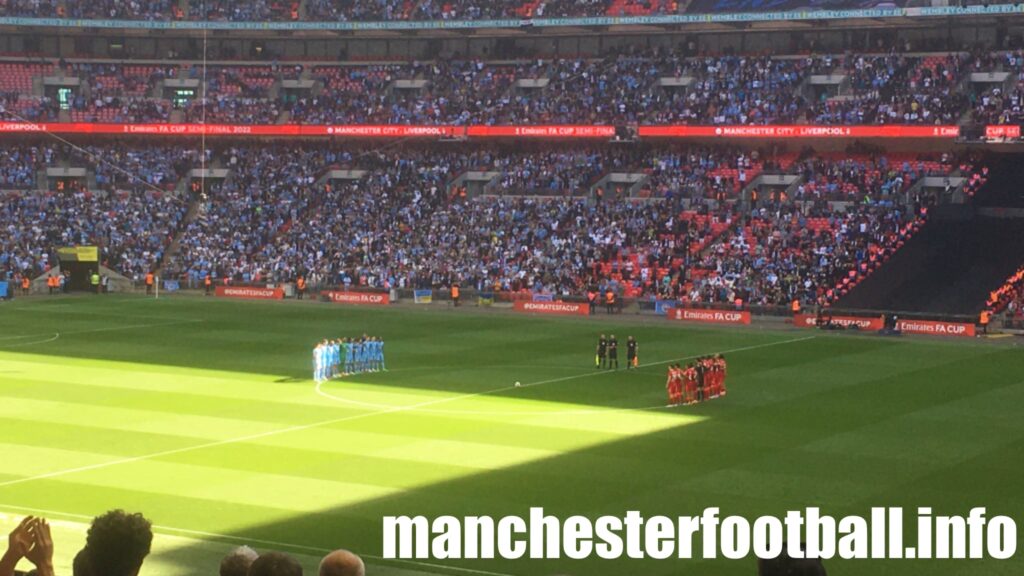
pixel 345 356
pixel 701 380
pixel 608 353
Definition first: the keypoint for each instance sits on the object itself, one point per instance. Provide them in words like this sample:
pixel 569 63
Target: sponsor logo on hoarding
pixel 934 327
pixel 250 292
pixel 713 316
pixel 1002 131
pixel 861 322
pixel 552 307
pixel 374 298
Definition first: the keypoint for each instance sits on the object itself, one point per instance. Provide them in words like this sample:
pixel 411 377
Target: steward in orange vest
pixel 609 301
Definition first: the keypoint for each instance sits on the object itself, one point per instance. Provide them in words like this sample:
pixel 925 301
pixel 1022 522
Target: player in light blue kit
pixel 319 353
pixel 350 357
pixel 332 364
pixel 377 347
pixel 361 355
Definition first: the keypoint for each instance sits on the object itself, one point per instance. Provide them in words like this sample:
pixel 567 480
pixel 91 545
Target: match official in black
pixel 613 352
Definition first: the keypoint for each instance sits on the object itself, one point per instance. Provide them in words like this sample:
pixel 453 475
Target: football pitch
pixel 202 414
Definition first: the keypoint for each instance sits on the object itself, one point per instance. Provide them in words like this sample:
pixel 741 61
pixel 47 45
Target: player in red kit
pixel 711 374
pixel 690 384
pixel 723 369
pixel 672 386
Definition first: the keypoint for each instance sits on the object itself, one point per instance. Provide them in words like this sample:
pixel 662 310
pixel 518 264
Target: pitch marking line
pixel 319 424
pixel 172 531
pixel 52 336
pixel 328 395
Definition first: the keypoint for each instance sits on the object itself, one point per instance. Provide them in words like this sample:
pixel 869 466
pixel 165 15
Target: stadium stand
pixel 681 230
pixel 621 88
pixel 770 222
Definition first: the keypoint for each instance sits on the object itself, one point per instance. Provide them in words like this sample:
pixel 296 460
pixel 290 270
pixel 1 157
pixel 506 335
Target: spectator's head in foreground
pixel 116 544
pixel 275 564
pixel 81 567
pixel 783 565
pixel 342 563
pixel 238 561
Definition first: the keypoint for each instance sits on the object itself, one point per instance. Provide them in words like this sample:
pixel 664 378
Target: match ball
pixel 518 384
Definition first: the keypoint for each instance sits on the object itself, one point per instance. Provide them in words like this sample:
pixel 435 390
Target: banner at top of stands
pixel 527 131
pixel 809 13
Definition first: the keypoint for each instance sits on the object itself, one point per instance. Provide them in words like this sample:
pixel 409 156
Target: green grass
pixel 201 413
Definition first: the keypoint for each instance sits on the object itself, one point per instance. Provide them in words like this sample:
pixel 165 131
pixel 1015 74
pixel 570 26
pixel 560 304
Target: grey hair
pixel 237 562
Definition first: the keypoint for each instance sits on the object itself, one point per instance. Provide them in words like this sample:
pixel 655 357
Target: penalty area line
pixel 52 336
pixel 242 540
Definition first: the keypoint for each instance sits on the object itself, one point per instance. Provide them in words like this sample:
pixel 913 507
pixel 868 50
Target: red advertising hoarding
pixel 862 322
pixel 369 298
pixel 800 131
pixel 250 292
pixel 1002 132
pixel 562 308
pixel 712 316
pixel 935 328
pixel 542 131
pixel 353 131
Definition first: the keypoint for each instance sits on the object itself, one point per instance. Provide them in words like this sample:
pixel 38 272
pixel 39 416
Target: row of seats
pixel 620 88
pixel 400 224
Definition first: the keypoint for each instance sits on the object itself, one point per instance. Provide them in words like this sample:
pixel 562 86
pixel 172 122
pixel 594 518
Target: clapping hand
pixel 41 553
pixel 30 539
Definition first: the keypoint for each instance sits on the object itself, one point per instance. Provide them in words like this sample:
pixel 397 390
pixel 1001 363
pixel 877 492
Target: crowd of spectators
pixel 132 229
pixel 1009 299
pixel 621 88
pixel 625 88
pixel 120 167
pixel 332 10
pixel 15 107
pixel 785 252
pixel 20 164
pixel 548 221
pixel 123 9
pixel 371 10
pixel 238 217
pixel 731 90
pixel 130 211
pixel 898 89
pixel 876 178
pixel 1000 102
pixel 402 225
pixel 713 173
pixel 30 8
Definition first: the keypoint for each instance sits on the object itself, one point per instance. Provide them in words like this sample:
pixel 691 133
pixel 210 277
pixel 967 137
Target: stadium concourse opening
pixel 77 265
